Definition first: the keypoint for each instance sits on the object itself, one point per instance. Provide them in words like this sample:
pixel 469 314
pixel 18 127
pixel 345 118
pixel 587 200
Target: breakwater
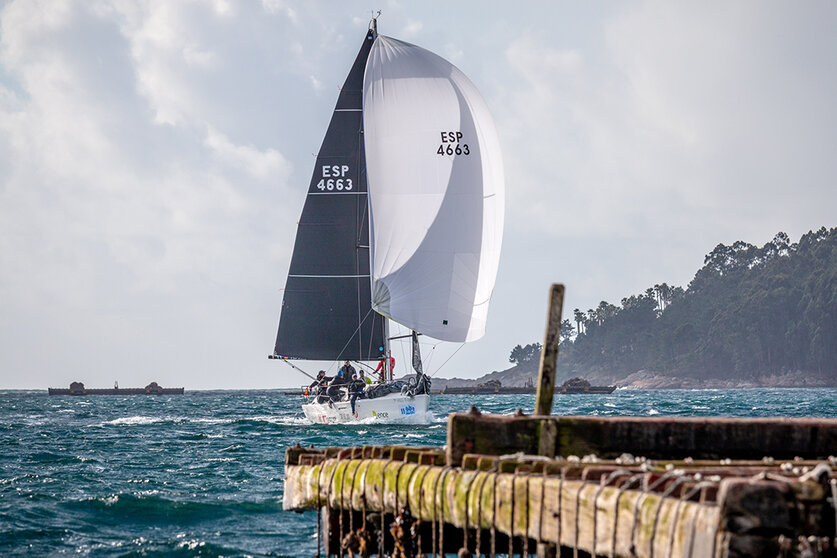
pixel 77 388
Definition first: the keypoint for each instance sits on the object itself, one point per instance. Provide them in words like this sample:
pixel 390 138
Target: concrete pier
pixel 490 502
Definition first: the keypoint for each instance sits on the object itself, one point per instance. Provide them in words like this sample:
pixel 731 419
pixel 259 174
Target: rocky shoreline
pixel 645 379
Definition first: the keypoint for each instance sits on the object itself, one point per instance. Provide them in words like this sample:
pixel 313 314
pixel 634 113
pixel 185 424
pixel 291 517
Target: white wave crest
pixel 133 421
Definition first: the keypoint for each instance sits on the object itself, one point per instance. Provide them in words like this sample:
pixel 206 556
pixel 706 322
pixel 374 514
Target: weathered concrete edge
pixel 652 437
pixel 525 504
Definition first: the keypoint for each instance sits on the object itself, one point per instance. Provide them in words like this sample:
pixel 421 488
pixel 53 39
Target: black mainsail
pixel 326 309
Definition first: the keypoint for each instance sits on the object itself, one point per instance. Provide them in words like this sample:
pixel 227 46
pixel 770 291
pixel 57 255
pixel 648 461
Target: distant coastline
pixel 643 379
pixel 651 380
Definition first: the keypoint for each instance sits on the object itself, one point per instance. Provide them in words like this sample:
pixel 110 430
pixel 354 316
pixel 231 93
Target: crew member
pixel 319 384
pixel 356 387
pixel 348 370
pixel 382 366
pixel 338 382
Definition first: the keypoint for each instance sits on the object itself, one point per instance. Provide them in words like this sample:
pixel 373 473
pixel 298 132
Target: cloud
pixel 686 116
pixel 269 164
pixel 121 184
pixel 412 28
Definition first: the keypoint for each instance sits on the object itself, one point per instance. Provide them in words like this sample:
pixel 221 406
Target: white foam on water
pixel 272 419
pixel 35 420
pixel 277 419
pixel 212 421
pixel 110 500
pixel 367 420
pixel 431 418
pixel 191 545
pixel 134 421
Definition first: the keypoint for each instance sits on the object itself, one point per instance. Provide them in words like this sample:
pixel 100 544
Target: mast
pixel 373 25
pixel 387 347
pixel 388 372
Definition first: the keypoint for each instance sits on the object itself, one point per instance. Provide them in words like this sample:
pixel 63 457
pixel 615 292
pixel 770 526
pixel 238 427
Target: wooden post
pixel 546 373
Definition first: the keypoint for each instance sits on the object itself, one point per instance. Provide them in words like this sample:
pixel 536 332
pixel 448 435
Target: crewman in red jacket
pixel 382 367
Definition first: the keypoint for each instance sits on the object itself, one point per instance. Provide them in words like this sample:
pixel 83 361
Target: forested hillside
pixel 748 314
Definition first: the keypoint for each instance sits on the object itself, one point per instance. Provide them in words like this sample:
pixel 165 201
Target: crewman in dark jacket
pixel 348 371
pixel 318 386
pixel 321 379
pixel 338 382
pixel 356 387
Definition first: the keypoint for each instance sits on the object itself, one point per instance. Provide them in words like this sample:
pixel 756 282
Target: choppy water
pixel 201 474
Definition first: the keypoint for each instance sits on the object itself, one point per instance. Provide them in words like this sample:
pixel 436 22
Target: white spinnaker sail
pixel 436 192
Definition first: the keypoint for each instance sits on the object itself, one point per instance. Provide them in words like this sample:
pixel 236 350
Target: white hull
pixel 392 407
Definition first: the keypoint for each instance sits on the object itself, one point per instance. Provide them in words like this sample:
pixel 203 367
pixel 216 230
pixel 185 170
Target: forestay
pixel 435 179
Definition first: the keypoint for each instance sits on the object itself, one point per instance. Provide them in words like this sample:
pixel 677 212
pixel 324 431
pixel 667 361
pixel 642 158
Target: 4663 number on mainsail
pixel 334 178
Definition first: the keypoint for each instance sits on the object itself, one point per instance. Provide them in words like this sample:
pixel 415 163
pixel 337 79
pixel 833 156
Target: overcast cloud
pixel 154 158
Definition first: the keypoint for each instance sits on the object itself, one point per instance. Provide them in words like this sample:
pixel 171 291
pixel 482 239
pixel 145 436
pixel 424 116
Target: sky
pixel 154 159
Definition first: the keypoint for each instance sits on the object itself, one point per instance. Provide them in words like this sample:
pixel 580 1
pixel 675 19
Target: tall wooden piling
pixel 549 354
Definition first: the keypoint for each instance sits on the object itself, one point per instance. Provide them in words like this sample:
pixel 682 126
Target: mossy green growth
pixel 574 438
pixel 647 509
pixel 455 481
pixel 416 492
pixel 521 521
pixel 625 504
pixel 485 499
pixel 430 484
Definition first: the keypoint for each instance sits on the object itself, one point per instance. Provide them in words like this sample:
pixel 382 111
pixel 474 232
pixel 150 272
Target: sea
pixel 201 474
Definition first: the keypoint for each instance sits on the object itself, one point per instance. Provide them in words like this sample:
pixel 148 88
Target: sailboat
pixel 403 222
